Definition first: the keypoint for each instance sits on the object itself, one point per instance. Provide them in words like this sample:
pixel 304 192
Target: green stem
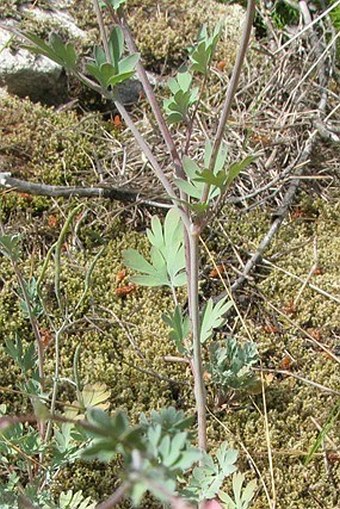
pixel 34 324
pixel 56 379
pixel 57 259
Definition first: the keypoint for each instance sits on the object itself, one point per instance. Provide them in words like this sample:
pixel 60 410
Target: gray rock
pixel 58 17
pixel 129 92
pixel 34 76
pixel 28 75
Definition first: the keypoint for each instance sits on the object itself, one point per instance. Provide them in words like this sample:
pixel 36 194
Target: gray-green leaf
pixel 167 265
pixel 213 317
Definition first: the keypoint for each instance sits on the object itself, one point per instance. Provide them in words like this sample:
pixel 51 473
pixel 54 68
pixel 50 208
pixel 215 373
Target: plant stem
pixel 231 89
pixel 151 96
pixel 102 30
pixel 115 498
pixel 145 149
pixel 193 116
pixel 56 379
pixel 128 120
pixel 248 23
pixel 199 387
pixel 36 332
pixel 57 256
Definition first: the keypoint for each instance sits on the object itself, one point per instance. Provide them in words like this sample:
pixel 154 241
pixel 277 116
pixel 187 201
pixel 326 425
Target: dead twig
pixel 113 193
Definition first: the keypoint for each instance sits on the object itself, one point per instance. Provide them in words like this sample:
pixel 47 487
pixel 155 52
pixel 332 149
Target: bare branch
pixel 112 193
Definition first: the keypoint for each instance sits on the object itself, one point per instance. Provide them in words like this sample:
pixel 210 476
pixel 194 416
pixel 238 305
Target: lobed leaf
pixel 180 327
pixel 56 50
pixel 167 254
pixel 207 478
pixel 10 246
pixel 213 317
pixel 230 365
pixel 201 54
pixel 176 107
pixel 242 497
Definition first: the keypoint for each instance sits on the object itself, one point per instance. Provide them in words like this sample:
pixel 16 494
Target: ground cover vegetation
pixel 162 359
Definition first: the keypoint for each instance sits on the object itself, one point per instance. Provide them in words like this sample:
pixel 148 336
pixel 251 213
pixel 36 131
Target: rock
pixel 27 75
pixel 58 17
pixel 130 91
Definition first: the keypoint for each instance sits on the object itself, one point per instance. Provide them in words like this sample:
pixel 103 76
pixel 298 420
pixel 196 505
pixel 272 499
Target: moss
pixel 41 142
pixel 113 331
pixel 165 29
pixel 292 404
pixel 122 344
pixel 123 341
pixel 316 241
pixel 10 8
pixel 44 145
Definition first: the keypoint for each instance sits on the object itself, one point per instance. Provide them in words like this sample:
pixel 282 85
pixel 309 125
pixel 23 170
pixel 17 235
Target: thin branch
pixel 308 27
pixel 298 377
pixel 112 193
pixel 55 380
pixel 268 441
pixel 279 216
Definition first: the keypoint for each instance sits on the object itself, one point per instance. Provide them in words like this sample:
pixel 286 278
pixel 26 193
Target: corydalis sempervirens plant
pixel 198 187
